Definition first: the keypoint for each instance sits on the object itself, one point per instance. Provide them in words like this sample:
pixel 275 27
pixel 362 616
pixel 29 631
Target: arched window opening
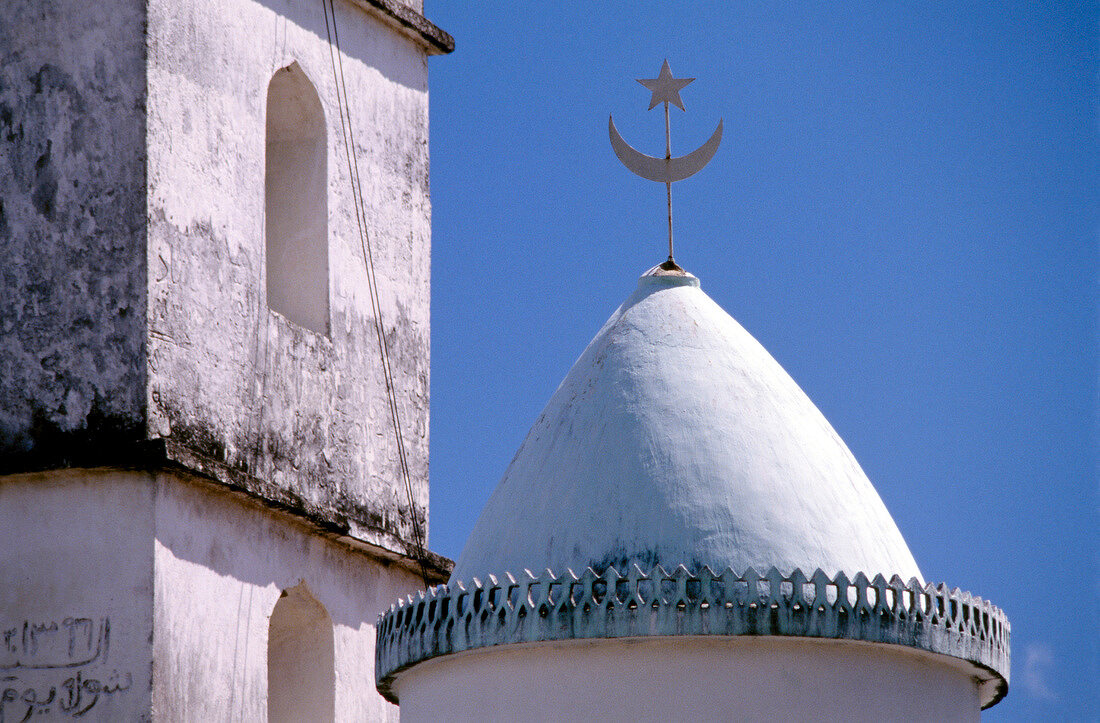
pixel 301 680
pixel 296 201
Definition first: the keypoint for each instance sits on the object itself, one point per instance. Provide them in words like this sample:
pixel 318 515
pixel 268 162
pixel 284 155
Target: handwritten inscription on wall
pixel 43 645
pixel 56 666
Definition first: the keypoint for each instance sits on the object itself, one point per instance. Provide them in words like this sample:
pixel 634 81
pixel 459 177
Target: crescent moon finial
pixel 663 170
pixel 665 89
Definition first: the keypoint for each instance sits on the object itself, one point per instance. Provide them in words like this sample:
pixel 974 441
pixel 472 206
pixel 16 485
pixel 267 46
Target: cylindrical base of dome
pixel 690 678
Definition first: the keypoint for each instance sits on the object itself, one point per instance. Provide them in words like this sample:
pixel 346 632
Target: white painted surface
pixel 221 565
pixel 76 595
pixel 187 576
pixel 677 439
pixel 682 679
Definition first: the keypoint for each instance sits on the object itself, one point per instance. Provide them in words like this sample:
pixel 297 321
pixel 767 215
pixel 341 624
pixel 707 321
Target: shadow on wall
pixel 301 680
pixel 354 586
pixel 356 44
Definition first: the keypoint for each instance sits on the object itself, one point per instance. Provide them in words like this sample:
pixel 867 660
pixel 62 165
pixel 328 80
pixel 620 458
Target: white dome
pixel 677 439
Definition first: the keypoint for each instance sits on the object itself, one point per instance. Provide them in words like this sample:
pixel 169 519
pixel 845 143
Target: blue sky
pixel 903 211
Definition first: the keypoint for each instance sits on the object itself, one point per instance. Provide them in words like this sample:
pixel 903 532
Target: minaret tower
pixel 683 536
pixel 214 353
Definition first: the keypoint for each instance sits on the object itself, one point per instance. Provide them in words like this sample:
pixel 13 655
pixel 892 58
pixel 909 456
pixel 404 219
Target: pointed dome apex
pixel 670 274
pixel 677 439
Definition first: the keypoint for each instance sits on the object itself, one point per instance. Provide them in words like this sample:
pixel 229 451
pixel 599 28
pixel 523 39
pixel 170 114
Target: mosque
pixel 214 406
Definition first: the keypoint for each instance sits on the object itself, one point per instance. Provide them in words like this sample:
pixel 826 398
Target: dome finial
pixel 665 89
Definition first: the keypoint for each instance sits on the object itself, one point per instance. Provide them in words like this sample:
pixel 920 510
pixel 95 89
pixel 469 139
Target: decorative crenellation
pixel 503 611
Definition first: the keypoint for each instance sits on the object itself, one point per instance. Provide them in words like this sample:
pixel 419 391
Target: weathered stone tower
pixel 214 346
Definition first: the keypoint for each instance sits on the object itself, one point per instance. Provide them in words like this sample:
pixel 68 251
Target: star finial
pixel 666 89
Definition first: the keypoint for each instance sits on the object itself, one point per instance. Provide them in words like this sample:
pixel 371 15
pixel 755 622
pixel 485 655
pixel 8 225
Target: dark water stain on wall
pixel 72 221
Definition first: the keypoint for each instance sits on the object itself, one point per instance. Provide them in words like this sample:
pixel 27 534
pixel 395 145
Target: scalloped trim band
pixel 452 619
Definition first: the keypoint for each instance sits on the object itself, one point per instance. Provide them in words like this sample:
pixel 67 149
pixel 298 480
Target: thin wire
pixel 357 195
pixel 348 133
pixel 383 345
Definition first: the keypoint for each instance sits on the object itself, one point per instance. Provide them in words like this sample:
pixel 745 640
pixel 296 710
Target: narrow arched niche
pixel 301 680
pixel 296 201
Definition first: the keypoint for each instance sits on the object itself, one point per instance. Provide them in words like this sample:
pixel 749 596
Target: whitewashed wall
pixel 76 595
pixel 682 679
pixel 221 565
pixel 136 596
